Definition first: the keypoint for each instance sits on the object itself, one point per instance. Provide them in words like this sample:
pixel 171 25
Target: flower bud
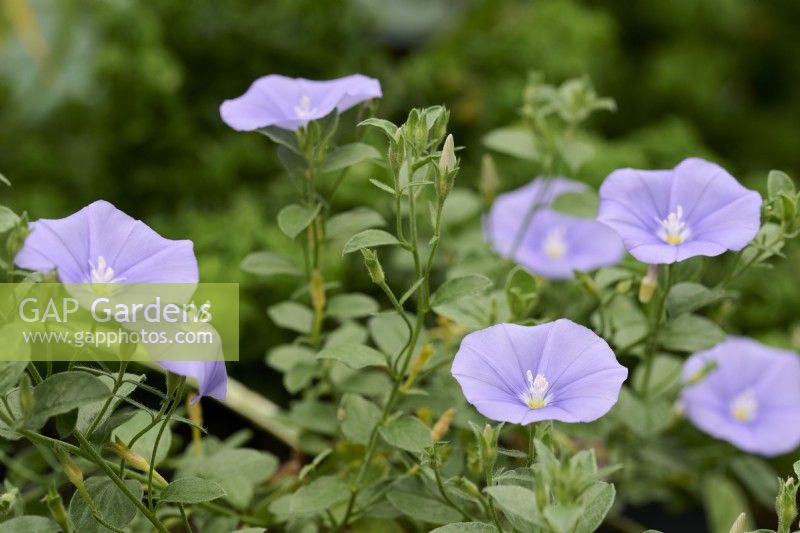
pixel 317 290
pixel 26 400
pixel 195 413
pixel 72 471
pixel 739 524
pixel 489 447
pixel 447 167
pixel 442 425
pixel 397 150
pixel 419 363
pixel 373 266
pixel 56 506
pixel 136 461
pixel 648 285
pixel 16 238
pixel 489 179
pixel 786 503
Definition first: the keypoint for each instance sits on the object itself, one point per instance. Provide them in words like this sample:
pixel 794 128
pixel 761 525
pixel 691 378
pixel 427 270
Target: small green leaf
pixel 29 524
pixel 355 356
pixel 294 218
pixel 191 490
pixel 357 418
pixel 516 500
pixel 779 182
pixel 351 222
pixel 758 476
pixel 577 204
pixel 595 503
pixel 384 125
pixel 382 186
pixel 64 392
pixel 686 297
pixel 269 264
pixel 690 333
pixel 237 471
pixel 369 239
pixel 283 137
pixel 319 495
pixel 466 527
pixel 144 444
pixel 292 316
pixel 9 374
pixel 422 507
pixel 664 375
pixel 8 219
pixel 517 142
pixel 4 180
pixel 112 504
pixel 287 356
pixel 724 502
pixel 353 305
pixel 407 433
pixel 349 155
pixel 455 288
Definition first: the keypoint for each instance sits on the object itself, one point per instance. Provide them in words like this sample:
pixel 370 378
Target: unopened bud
pixel 447 167
pixel 786 504
pixel 317 290
pixel 419 363
pixel 195 413
pixel 72 471
pixel 136 461
pixel 373 266
pixel 56 506
pixel 26 400
pixel 739 524
pixel 488 447
pixel 397 150
pixel 16 239
pixel 648 285
pixel 489 179
pixel 442 425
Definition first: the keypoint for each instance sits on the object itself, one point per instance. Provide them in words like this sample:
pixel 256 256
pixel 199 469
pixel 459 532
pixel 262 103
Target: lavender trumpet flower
pixel 101 244
pixel 750 398
pixel 554 371
pixel 291 103
pixel 665 216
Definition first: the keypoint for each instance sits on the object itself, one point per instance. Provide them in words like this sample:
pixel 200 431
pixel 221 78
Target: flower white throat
pixel 102 272
pixel 303 109
pixel 555 245
pixel 744 406
pixel 673 229
pixel 536 396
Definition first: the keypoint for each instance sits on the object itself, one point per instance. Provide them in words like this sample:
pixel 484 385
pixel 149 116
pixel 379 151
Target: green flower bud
pixel 447 167
pixel 56 506
pixel 786 504
pixel 489 179
pixel 373 266
pixel 648 284
pixel 25 395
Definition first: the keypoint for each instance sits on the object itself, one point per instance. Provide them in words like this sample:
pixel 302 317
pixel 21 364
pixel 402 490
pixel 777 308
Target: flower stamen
pixel 102 272
pixel 554 244
pixel 744 406
pixel 536 395
pixel 673 229
pixel 303 109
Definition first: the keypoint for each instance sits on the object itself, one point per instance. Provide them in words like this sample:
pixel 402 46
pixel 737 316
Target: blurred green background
pixel 118 99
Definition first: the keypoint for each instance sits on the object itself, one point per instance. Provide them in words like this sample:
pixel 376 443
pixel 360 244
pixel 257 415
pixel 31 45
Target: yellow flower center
pixel 535 396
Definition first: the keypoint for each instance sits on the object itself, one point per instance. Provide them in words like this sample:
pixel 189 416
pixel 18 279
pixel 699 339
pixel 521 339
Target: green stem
pixel 656 323
pixel 99 461
pixel 446 496
pixel 107 404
